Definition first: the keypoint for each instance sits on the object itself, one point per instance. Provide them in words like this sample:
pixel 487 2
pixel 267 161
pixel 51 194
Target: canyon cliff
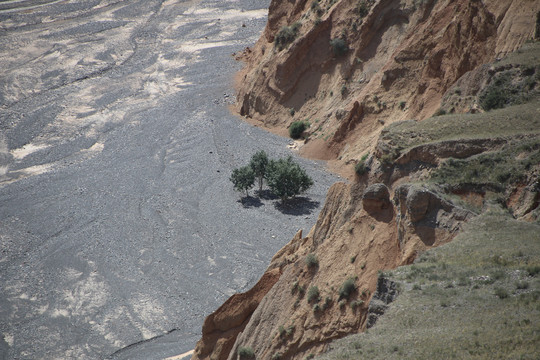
pixel 355 70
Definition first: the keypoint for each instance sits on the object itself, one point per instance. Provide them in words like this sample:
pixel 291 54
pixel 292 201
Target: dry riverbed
pixel 119 228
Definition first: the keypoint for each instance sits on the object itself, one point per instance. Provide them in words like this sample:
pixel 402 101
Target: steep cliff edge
pixel 360 232
pixel 355 70
pixel 351 67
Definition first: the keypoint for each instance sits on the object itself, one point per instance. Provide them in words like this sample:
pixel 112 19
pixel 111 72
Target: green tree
pixel 259 164
pixel 243 179
pixel 297 128
pixel 287 179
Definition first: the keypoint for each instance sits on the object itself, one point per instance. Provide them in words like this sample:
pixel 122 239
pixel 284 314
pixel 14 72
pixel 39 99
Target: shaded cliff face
pixel 398 60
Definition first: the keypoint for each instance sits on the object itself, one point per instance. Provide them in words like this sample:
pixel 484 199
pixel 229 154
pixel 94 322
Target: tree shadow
pixel 297 206
pixel 250 202
pixel 266 195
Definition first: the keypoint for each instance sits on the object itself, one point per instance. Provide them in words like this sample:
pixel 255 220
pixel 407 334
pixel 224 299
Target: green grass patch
pixel 497 169
pixel 510 121
pixel 473 298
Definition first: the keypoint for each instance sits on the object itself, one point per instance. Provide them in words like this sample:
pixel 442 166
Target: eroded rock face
pixel 417 203
pixel 359 233
pixel 387 291
pixel 376 197
pixel 424 50
pixel 221 328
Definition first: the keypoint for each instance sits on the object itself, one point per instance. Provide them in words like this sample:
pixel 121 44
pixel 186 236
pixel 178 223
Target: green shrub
pixel 246 353
pixel 402 105
pixel 297 128
pixel 347 288
pixel 533 270
pixel 356 304
pixel 362 8
pixel 313 294
pixel 501 293
pixel 298 288
pixel 277 356
pixel 290 330
pixel 343 90
pixel 312 261
pixel 315 7
pixel 493 98
pixel 292 111
pixel 339 47
pixel 281 331
pixel 286 35
pixel 361 168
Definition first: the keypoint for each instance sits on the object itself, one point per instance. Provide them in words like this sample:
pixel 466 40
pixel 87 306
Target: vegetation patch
pixel 285 177
pixel 494 170
pixel 347 288
pixel 246 353
pixel 297 128
pixel 313 294
pixel 311 261
pixel 361 168
pixel 286 35
pixel 339 47
pixel 399 137
pixel 362 8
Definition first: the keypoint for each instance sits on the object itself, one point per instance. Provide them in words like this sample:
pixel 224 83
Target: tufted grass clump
pixel 361 168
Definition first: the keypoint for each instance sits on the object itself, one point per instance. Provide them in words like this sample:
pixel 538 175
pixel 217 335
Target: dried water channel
pixel 119 228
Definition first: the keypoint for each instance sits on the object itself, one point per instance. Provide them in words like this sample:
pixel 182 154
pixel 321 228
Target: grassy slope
pixel 474 298
pixel 514 120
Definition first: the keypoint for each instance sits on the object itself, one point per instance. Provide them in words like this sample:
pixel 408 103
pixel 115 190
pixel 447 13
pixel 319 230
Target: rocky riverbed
pixel 119 228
